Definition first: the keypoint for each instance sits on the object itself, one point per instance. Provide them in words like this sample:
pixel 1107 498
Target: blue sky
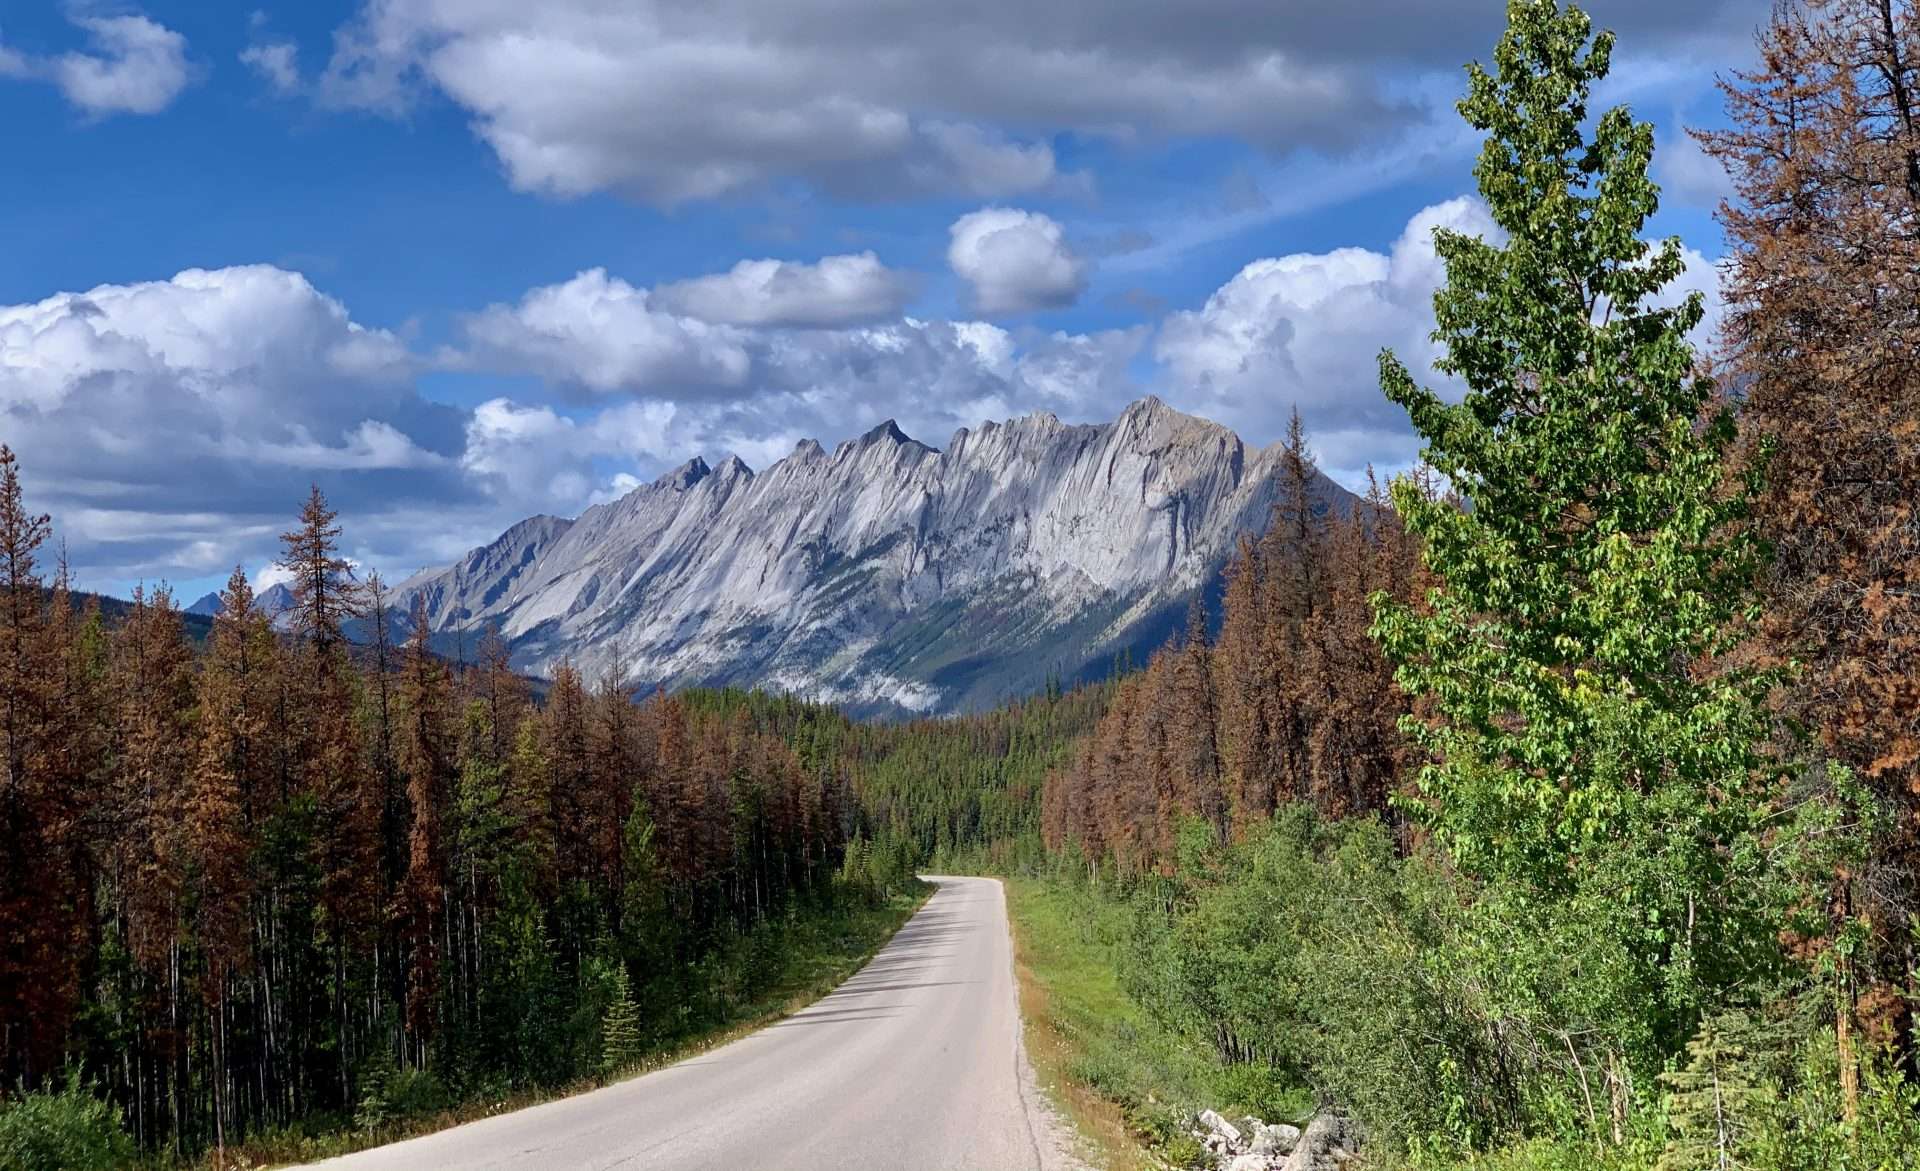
pixel 460 261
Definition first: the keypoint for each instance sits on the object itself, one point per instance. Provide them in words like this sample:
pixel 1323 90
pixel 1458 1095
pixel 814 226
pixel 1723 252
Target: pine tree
pixel 1297 534
pixel 614 771
pixel 21 614
pixel 569 760
pixel 323 591
pixel 1243 673
pixel 1196 724
pixel 426 755
pixel 35 985
pixel 215 803
pixel 502 692
pixel 335 790
pixel 153 669
pixel 1823 329
pixel 219 882
pixel 376 616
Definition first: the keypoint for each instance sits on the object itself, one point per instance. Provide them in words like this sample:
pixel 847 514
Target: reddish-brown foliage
pixel 1292 703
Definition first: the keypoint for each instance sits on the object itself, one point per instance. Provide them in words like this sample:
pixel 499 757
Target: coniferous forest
pixel 277 875
pixel 1556 805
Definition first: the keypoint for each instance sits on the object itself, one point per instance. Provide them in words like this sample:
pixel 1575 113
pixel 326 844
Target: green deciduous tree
pixel 1594 760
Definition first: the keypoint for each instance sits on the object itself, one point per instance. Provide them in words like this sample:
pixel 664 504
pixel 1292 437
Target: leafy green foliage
pixel 64 1130
pixel 1595 759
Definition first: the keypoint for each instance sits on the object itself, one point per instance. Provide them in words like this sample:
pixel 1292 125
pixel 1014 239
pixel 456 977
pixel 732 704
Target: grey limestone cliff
pixel 885 575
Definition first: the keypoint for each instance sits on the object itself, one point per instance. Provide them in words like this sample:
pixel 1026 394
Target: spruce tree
pixel 620 1025
pixel 1721 1099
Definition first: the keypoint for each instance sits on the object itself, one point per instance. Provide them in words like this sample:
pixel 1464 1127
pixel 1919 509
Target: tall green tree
pixel 1594 760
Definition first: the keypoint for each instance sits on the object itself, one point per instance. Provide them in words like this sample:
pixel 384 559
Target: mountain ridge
pixel 888 575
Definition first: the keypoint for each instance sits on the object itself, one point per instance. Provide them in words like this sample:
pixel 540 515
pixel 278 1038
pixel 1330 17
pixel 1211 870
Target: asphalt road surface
pixel 914 1064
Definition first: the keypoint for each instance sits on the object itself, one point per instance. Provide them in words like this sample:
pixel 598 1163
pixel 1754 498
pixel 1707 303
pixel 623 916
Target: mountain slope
pixel 886 575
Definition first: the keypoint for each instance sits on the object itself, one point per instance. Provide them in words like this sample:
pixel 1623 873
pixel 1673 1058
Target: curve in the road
pixel 914 1064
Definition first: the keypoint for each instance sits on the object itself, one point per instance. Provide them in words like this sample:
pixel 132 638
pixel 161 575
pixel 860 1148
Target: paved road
pixel 914 1064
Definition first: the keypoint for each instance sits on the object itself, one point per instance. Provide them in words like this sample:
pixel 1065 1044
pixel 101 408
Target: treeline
pixel 1294 702
pixel 956 793
pixel 278 878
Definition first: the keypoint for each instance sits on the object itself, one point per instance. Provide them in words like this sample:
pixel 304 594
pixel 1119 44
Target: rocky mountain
pixel 885 575
pixel 273 601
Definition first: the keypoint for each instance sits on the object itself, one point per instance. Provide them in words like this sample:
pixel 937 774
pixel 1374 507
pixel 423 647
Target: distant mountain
pixel 273 601
pixel 887 575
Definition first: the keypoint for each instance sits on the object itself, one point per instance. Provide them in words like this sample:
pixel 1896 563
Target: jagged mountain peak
pixel 889 430
pixel 887 437
pixel 892 576
pixel 685 476
pixel 1152 417
pixel 273 601
pixel 734 468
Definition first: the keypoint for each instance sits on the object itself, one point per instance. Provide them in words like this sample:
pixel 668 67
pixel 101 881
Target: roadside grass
pixel 1127 1082
pixel 821 952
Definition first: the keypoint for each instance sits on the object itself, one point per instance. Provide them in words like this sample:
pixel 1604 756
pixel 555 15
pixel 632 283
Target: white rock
pixel 865 574
pixel 1221 1127
pixel 1328 1142
pixel 1253 1162
pixel 1277 1139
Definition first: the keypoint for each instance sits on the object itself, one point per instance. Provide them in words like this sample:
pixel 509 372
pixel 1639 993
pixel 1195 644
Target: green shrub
pixel 413 1092
pixel 70 1130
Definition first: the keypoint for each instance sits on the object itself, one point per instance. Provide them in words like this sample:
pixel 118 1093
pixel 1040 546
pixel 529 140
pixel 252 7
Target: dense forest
pixel 1556 806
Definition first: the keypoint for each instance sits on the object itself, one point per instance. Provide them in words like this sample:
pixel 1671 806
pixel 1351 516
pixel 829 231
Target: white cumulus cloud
pixel 171 425
pixel 132 65
pixel 598 333
pixel 1015 260
pixel 1302 330
pixel 138 66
